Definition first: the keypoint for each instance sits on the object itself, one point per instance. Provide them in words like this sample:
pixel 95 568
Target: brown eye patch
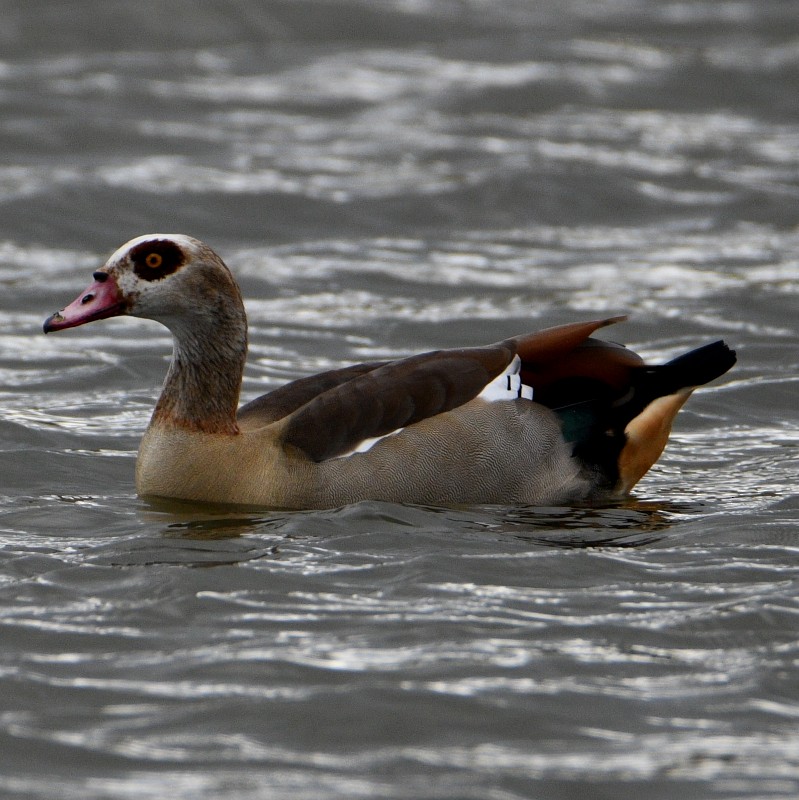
pixel 156 259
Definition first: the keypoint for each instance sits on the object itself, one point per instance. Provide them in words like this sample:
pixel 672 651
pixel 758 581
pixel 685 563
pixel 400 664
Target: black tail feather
pixel 687 371
pixel 596 423
pixel 695 368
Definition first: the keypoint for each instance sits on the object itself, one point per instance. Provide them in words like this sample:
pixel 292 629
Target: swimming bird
pixel 550 417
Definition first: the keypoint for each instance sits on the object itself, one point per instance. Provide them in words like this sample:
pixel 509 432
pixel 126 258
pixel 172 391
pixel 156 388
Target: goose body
pixel 548 417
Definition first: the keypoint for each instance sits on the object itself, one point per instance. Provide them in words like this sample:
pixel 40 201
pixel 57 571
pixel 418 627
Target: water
pixel 388 177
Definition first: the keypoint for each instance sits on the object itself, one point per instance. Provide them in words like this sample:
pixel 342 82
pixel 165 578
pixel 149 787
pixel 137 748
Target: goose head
pixel 171 278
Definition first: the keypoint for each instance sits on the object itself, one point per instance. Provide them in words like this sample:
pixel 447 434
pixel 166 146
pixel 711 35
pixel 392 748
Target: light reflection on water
pixel 386 179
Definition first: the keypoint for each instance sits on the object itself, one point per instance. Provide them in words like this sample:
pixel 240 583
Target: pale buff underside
pixel 500 452
pixel 647 435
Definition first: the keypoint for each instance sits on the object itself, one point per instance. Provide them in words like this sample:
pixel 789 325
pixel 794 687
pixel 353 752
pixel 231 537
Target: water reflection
pixel 625 523
pixel 630 523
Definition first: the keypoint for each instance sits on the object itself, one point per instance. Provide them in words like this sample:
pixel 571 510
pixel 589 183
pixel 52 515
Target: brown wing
pixel 400 393
pixel 393 396
pixel 286 399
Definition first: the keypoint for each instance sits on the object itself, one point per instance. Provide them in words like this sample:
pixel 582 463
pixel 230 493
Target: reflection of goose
pixel 448 427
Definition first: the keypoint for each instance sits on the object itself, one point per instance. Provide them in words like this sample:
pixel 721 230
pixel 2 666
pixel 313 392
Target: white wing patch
pixel 367 444
pixel 508 385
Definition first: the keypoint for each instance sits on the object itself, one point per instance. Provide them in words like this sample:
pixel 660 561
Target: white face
pixel 148 270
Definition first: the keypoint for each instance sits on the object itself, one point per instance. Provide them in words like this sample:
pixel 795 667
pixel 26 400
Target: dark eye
pixel 156 259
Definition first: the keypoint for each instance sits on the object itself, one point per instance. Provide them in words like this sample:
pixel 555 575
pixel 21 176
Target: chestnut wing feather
pixel 551 344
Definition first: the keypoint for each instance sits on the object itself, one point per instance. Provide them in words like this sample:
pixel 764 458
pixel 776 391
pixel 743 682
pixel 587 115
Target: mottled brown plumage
pixel 446 427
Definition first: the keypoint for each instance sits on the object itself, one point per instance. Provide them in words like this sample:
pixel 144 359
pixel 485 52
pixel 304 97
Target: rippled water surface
pixel 383 178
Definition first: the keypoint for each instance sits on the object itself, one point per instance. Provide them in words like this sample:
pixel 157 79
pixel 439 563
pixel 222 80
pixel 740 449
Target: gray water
pixel 386 177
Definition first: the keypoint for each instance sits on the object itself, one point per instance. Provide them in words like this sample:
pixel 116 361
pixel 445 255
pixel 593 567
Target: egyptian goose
pixel 542 418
